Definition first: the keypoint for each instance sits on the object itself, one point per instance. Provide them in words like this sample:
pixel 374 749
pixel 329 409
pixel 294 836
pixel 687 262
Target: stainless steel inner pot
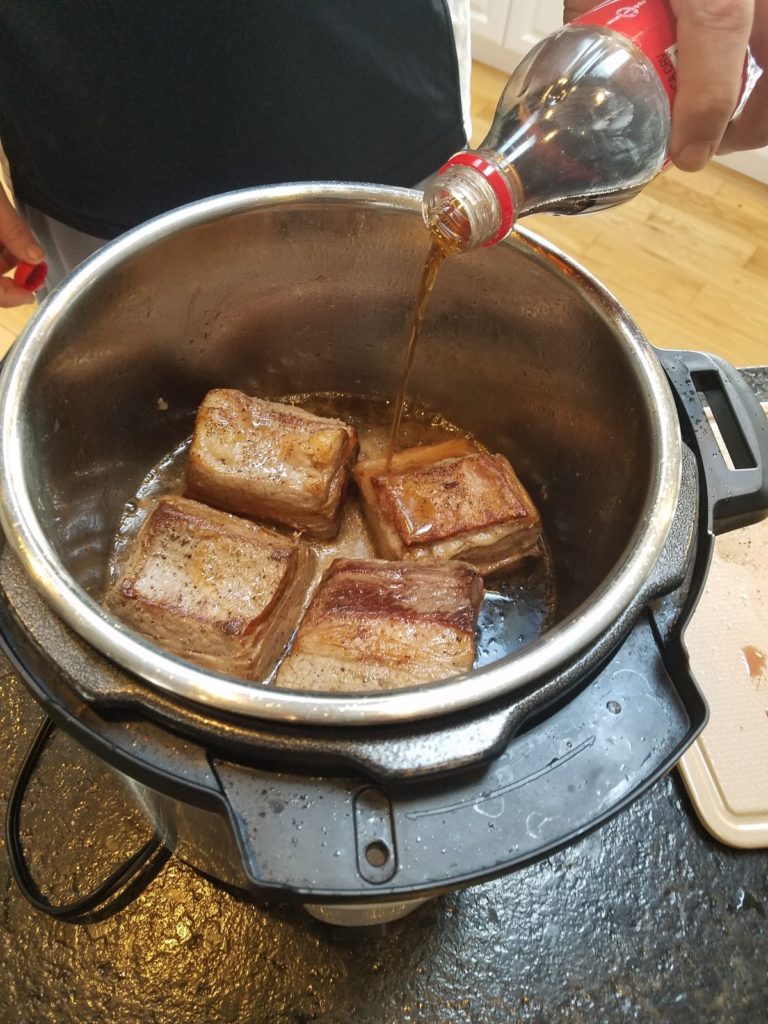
pixel 310 288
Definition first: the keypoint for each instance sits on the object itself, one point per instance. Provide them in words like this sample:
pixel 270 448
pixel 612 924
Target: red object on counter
pixel 30 276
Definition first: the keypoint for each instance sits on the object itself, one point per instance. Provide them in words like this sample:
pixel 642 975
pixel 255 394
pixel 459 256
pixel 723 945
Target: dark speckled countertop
pixel 757 378
pixel 647 919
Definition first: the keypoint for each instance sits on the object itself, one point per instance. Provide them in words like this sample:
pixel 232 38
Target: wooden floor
pixel 688 258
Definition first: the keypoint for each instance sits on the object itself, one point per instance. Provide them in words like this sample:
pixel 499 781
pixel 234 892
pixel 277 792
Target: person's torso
pixel 112 112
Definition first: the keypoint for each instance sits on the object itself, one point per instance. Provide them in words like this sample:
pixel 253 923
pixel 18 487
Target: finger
pixel 7 261
pixel 712 37
pixel 15 237
pixel 573 8
pixel 11 295
pixel 750 129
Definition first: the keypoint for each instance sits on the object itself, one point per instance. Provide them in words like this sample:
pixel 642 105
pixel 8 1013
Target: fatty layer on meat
pixel 449 500
pixel 378 625
pixel 212 588
pixel 270 461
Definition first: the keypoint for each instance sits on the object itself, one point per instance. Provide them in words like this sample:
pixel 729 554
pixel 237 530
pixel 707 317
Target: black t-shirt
pixel 112 111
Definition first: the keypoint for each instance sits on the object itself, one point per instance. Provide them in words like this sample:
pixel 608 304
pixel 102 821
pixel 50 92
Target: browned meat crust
pixel 270 461
pixel 214 589
pixel 449 500
pixel 381 625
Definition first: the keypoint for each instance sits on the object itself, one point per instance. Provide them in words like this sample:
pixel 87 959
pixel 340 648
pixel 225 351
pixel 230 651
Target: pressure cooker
pixel 362 805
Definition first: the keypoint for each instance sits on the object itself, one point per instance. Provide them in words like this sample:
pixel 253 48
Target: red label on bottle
pixel 650 25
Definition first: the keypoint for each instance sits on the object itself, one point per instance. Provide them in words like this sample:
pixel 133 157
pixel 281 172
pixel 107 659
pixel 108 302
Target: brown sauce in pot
pixel 519 605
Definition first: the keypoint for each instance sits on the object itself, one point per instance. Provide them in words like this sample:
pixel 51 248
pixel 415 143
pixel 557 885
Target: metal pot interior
pixel 311 288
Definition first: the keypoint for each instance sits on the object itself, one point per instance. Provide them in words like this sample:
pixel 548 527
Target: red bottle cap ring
pixel 498 183
pixel 30 276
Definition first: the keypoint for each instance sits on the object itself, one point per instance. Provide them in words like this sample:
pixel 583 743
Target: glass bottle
pixel 582 124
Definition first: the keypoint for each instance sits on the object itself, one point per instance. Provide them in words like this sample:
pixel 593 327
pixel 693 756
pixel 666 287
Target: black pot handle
pixel 738 496
pixel 121 886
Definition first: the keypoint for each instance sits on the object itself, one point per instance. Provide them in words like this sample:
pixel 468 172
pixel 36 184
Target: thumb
pixel 575 8
pixel 712 39
pixel 15 237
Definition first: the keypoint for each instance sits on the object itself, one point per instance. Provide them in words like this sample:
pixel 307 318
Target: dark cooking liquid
pixel 435 257
pixel 519 605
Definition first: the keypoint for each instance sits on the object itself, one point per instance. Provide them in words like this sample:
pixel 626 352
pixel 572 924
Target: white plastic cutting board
pixel 726 769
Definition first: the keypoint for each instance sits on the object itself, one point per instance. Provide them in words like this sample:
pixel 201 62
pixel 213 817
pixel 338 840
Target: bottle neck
pixel 469 203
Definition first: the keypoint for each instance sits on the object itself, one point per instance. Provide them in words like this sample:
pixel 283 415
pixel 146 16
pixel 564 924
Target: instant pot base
pixel 282 836
pixel 368 846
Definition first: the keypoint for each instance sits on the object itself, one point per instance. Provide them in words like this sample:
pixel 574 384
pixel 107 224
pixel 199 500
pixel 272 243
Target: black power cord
pixel 95 903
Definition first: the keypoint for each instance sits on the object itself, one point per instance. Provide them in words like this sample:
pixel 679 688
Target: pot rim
pixel 170 674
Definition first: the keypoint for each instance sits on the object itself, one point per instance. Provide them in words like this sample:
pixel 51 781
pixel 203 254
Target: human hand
pixel 17 245
pixel 712 38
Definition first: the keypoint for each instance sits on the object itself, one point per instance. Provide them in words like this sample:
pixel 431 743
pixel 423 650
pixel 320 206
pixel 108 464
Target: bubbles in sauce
pixel 519 604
